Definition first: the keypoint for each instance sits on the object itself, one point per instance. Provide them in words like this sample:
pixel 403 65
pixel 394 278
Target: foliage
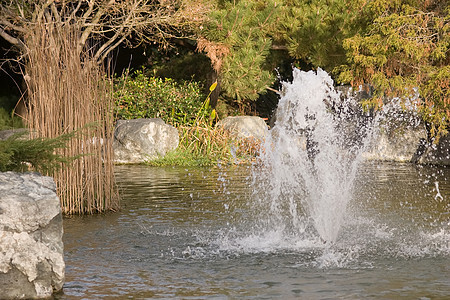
pixel 203 144
pixel 181 66
pixel 398 47
pixel 313 31
pixel 8 121
pixel 244 39
pixel 140 96
pixel 237 41
pixel 20 154
pixel 405 49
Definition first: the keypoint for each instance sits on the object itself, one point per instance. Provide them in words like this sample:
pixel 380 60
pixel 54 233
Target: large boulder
pixel 245 127
pixel 437 154
pixel 140 140
pixel 31 247
pixel 399 133
pixel 400 143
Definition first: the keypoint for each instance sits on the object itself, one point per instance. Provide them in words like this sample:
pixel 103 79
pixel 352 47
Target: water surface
pixel 196 234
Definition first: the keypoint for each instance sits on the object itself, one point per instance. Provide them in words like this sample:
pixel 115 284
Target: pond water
pixel 196 234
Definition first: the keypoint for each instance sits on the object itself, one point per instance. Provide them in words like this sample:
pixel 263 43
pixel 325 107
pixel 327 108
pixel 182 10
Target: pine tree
pixel 313 31
pixel 237 40
pixel 20 154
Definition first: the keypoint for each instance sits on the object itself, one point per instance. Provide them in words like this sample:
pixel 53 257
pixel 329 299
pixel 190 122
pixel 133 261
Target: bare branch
pixel 10 39
pixel 74 12
pixel 106 45
pixel 55 12
pixel 106 52
pixel 110 22
pixel 95 22
pixel 12 26
pixel 88 11
pixel 39 12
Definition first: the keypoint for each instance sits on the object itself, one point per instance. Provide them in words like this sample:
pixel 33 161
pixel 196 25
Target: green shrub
pixel 140 96
pixel 21 154
pixel 7 119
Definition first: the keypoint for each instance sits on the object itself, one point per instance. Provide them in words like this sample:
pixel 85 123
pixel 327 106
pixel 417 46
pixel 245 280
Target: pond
pixel 196 234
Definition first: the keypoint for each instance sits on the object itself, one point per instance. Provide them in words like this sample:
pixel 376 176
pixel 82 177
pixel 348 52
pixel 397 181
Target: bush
pixel 20 154
pixel 182 105
pixel 7 119
pixel 140 96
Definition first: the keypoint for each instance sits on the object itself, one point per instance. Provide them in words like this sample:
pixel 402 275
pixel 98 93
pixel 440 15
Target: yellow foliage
pixel 407 46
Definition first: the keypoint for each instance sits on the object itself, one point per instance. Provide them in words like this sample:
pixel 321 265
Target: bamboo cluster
pixel 70 93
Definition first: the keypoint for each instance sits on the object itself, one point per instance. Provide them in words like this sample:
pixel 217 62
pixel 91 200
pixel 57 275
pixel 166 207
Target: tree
pixel 62 46
pixel 237 40
pixel 244 39
pixel 313 31
pixel 102 25
pixel 406 49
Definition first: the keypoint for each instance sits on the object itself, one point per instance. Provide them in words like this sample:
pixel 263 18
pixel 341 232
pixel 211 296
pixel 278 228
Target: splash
pixel 304 180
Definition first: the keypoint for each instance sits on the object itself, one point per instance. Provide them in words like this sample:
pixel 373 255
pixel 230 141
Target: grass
pixel 208 146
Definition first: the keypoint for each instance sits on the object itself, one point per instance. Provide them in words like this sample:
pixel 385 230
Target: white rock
pixel 437 154
pixel 399 144
pixel 31 249
pixel 245 127
pixel 140 140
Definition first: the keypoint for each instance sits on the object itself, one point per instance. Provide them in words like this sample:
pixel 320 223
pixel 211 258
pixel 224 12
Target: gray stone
pixel 4 134
pixel 31 248
pixel 245 127
pixel 437 154
pixel 140 140
pixel 24 133
pixel 400 143
pixel 400 135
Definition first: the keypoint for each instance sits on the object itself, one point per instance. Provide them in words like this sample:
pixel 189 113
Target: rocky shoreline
pixel 31 248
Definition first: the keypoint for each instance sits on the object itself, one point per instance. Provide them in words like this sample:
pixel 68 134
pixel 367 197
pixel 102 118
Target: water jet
pixel 307 173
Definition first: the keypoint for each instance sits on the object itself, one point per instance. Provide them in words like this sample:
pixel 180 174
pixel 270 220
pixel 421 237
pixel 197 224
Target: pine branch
pixel 20 154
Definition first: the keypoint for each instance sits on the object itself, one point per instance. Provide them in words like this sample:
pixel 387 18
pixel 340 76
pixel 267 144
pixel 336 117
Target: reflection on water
pixel 193 233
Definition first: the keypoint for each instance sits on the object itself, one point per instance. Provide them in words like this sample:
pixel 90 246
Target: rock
pixel 31 247
pixel 4 134
pixel 401 144
pixel 400 132
pixel 401 135
pixel 140 140
pixel 400 138
pixel 25 133
pixel 437 154
pixel 245 127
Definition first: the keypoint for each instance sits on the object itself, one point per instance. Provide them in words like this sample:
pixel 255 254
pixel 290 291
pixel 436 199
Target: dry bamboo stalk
pixel 68 93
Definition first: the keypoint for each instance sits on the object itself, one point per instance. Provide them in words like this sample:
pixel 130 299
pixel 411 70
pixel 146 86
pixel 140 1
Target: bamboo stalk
pixel 69 93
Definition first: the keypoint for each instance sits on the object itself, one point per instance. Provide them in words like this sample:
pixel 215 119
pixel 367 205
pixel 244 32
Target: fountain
pixel 305 177
pixel 313 192
pixel 310 220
